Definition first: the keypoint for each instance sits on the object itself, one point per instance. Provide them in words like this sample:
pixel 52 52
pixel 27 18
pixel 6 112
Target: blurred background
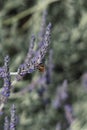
pixel 55 99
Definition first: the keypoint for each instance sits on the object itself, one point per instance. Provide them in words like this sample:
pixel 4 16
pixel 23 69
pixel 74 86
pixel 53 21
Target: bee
pixel 41 67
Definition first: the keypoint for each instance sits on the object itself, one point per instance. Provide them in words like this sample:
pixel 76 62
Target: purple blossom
pixel 7 84
pixel 22 69
pixel 31 65
pixel 46 41
pixel 40 54
pixel 7 80
pixel 13 121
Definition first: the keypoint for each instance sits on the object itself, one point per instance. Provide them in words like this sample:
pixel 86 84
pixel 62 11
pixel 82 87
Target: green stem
pixel 39 7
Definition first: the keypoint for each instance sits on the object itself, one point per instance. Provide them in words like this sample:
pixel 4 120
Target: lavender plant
pixel 42 103
pixel 31 63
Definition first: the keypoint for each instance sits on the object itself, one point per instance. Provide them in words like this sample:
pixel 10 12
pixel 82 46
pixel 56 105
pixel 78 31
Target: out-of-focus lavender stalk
pixel 61 95
pixel 56 102
pixel 49 68
pixel 43 26
pixel 63 91
pixel 68 113
pixel 13 121
pixel 7 84
pixel 61 100
pixel 6 124
pixel 30 50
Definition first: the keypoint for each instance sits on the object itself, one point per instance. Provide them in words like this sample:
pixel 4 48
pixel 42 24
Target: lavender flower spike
pixel 32 64
pixel 7 84
pixel 6 124
pixel 13 121
pixel 7 80
pixel 46 41
pixel 41 53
